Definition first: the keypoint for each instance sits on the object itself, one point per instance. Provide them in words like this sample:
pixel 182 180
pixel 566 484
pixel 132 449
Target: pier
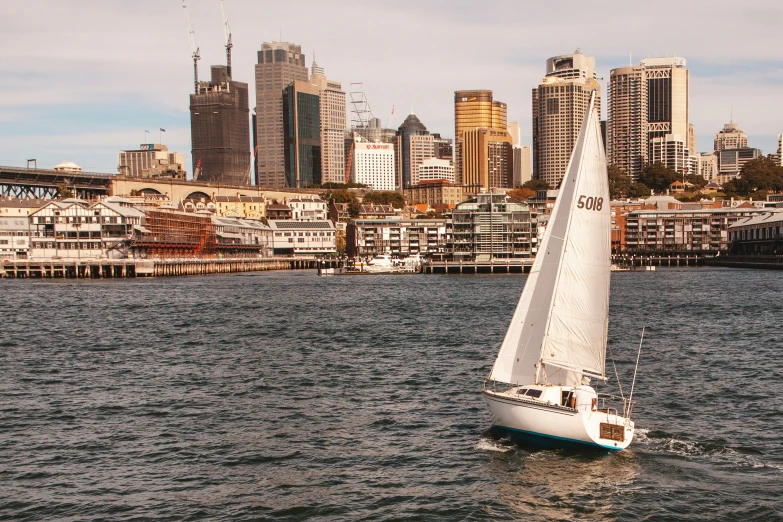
pixel 124 268
pixel 496 266
pixel 632 260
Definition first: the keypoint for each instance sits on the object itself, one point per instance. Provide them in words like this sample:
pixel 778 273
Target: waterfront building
pixel 626 125
pixel 308 208
pixel 730 137
pixel 242 237
pixel 437 194
pixel 619 219
pixel 488 159
pixel 731 161
pixel 373 164
pixel 413 145
pixel 279 64
pixel 758 235
pixel 219 130
pixel 302 134
pixel 397 237
pixel 151 160
pixel 72 229
pixel 15 226
pixel 434 169
pixel 544 201
pixel 491 227
pixel 672 231
pixel 303 238
pixel 240 206
pixel 522 167
pixel 560 104
pixel 474 109
pixel 276 210
pixel 333 126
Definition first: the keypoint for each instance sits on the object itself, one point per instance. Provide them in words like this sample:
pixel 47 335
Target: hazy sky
pixel 84 79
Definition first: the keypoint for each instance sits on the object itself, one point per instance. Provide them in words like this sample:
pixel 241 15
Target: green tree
pixel 638 190
pixel 344 196
pixel 696 180
pixel 658 176
pixel 395 199
pixel 536 185
pixel 64 191
pixel 619 182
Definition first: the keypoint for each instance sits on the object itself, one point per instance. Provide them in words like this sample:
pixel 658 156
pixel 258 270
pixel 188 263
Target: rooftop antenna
pixel 229 45
pixel 193 47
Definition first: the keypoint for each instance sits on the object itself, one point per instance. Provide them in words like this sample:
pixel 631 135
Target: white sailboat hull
pixel 552 425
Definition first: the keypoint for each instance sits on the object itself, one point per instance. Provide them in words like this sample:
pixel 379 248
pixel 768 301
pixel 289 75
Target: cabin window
pixel 522 391
pixel 534 393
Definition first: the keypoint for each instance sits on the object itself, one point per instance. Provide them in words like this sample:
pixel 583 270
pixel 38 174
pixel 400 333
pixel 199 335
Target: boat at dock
pixel 539 388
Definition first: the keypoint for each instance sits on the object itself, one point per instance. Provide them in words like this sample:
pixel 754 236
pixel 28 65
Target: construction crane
pixel 229 45
pixel 193 47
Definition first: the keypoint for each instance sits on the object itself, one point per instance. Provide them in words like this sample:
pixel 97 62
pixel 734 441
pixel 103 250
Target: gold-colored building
pixel 240 206
pixel 475 110
pixel 489 156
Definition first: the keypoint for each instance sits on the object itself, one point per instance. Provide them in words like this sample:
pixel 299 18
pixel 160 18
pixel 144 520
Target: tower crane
pixel 229 45
pixel 193 47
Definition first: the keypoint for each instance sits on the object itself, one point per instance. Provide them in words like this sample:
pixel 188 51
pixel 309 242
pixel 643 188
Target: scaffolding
pixel 171 234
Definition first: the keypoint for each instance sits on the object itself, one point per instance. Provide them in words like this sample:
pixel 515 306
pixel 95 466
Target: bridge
pixel 37 183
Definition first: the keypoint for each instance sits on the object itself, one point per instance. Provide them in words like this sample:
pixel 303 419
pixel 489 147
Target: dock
pixel 130 268
pixel 496 266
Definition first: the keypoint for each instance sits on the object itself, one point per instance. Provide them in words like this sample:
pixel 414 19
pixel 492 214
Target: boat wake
pixel 489 444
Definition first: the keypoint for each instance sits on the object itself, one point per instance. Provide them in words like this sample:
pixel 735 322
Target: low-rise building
pixel 310 208
pixel 278 211
pixel 303 238
pixel 758 235
pixel 398 237
pixel 242 237
pixel 151 160
pixel 15 226
pixel 373 211
pixel 492 227
pixel 438 194
pixel 240 206
pixel 702 230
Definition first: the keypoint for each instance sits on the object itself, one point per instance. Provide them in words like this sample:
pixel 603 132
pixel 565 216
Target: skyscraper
pixel 730 137
pixel 302 134
pixel 333 124
pixel 626 126
pixel 219 130
pixel 667 98
pixel 414 144
pixel 560 104
pixel 484 162
pixel 279 64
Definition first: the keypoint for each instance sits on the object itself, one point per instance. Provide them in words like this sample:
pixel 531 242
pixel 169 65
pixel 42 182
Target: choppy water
pixel 284 396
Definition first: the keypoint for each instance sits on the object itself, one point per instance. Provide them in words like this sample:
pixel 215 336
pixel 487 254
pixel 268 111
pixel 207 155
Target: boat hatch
pixel 612 432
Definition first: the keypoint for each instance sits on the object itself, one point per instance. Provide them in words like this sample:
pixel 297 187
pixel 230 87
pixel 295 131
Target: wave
pixel 487 444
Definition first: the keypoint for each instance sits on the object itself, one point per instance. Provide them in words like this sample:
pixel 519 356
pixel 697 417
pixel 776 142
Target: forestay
pixel 562 315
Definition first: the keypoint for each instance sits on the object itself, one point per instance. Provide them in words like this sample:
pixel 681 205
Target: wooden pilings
pixel 96 269
pixel 658 260
pixel 478 267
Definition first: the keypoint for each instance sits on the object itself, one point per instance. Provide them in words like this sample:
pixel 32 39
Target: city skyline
pixel 69 99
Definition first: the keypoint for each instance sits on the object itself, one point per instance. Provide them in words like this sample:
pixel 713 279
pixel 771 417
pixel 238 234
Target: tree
pixel 658 176
pixel 696 180
pixel 762 174
pixel 64 191
pixel 344 196
pixel 638 190
pixel 619 182
pixel 395 199
pixel 521 194
pixel 536 184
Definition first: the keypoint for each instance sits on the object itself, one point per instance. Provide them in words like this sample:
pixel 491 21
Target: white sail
pixel 562 315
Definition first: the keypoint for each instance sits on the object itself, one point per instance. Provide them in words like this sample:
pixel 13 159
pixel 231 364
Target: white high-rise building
pixel 730 137
pixel 373 164
pixel 333 125
pixel 436 169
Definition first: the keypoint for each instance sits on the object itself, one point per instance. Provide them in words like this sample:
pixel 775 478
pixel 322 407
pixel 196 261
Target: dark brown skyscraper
pixel 219 130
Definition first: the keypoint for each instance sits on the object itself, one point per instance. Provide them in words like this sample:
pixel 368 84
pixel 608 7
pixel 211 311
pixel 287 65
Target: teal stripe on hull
pixel 550 441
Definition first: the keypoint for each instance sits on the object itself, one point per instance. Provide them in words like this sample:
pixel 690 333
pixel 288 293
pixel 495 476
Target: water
pixel 284 396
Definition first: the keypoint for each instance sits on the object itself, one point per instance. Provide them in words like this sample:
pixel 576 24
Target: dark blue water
pixel 284 396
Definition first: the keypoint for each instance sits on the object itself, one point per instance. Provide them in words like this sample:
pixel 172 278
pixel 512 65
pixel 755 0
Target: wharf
pixel 762 262
pixel 497 266
pixel 638 260
pixel 123 268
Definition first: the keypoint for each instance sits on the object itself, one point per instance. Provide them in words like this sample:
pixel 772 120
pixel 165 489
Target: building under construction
pixel 170 233
pixel 219 128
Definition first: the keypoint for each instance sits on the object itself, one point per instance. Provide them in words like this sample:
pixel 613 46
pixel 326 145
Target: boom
pixel 229 45
pixel 193 46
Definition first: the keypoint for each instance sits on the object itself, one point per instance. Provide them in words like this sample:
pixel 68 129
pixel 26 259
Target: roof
pixel 277 206
pixel 376 209
pixel 119 209
pixel 238 199
pixel 729 211
pixel 287 224
pixel 22 203
pixel 306 200
pixel 770 217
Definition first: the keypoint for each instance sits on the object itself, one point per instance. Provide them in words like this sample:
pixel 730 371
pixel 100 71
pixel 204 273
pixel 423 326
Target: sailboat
pixel 539 388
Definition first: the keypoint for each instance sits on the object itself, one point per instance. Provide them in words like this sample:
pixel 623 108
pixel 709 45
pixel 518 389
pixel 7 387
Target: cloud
pixel 84 69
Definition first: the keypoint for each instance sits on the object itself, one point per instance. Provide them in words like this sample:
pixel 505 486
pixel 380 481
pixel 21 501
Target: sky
pixel 84 79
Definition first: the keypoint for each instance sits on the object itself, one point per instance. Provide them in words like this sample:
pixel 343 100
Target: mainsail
pixel 562 316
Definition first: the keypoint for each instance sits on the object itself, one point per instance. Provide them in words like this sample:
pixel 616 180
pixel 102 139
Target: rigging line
pixel 611 355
